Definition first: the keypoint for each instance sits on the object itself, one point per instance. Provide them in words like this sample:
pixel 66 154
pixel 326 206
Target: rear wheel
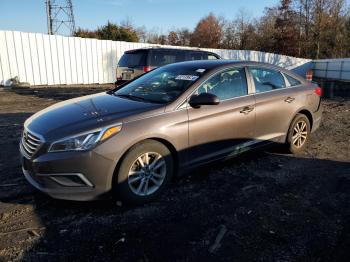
pixel 298 134
pixel 144 172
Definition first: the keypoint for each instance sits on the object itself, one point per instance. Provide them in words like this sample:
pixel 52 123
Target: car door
pixel 274 104
pixel 218 130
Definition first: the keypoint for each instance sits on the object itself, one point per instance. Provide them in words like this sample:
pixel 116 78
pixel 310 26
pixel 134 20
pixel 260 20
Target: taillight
pixel 309 75
pixel 146 69
pixel 318 91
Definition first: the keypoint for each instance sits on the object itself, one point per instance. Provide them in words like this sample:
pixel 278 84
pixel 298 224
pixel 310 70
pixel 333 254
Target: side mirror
pixel 203 99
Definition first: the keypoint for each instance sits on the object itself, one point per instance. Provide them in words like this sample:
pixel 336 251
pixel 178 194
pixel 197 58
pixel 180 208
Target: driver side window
pixel 226 84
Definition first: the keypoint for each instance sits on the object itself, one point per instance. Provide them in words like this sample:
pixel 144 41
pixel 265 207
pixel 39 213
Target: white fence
pixel 41 59
pixel 338 69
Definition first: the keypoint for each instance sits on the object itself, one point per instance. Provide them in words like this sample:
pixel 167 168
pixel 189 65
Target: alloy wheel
pixel 147 174
pixel 299 134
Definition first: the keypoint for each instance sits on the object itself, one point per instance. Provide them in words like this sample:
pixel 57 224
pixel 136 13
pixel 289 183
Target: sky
pixel 159 15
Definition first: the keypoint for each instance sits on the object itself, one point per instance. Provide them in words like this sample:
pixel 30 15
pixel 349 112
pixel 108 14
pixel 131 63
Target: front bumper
pixel 79 176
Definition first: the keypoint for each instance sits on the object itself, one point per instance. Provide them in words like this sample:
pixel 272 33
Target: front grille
pixel 30 143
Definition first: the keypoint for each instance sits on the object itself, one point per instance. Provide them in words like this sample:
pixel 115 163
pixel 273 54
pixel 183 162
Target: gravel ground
pixel 261 206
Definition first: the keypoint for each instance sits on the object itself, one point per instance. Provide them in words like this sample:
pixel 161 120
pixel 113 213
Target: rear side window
pixel 133 59
pixel 267 79
pixel 197 56
pixel 227 84
pixel 164 57
pixel 212 57
pixel 292 81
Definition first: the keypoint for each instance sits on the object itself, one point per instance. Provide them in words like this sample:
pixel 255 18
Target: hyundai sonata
pixel 133 140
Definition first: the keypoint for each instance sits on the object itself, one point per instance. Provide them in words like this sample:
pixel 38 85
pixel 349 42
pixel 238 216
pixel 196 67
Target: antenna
pixel 60 18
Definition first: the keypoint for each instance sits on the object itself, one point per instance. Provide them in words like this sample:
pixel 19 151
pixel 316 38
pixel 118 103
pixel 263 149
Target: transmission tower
pixel 60 18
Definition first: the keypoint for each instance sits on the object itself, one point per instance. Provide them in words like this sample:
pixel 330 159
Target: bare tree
pixel 184 36
pixel 208 32
pixel 173 38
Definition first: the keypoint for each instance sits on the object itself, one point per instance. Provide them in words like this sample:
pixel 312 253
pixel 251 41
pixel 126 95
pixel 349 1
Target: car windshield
pixel 162 85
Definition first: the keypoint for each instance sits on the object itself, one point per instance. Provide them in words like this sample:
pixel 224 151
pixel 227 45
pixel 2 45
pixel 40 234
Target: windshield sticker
pixel 200 70
pixel 187 77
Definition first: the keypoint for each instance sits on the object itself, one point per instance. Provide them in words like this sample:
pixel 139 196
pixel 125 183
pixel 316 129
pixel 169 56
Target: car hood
pixel 88 112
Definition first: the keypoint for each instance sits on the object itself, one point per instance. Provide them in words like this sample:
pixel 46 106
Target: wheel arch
pixel 308 114
pixel 302 111
pixel 163 141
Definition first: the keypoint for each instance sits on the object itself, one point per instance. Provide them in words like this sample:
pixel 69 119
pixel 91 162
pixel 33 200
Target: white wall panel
pixel 94 60
pixel 54 60
pixel 48 59
pixel 84 61
pixel 33 51
pixel 11 52
pixel 5 66
pixel 67 60
pixel 89 57
pixel 78 59
pixel 72 57
pixel 20 57
pixel 27 58
pixel 41 59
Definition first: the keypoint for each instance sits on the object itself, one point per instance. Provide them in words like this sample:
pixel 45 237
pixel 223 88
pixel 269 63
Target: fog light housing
pixel 71 180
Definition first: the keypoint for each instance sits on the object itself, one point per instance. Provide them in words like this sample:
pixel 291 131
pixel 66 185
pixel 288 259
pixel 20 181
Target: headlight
pixel 84 141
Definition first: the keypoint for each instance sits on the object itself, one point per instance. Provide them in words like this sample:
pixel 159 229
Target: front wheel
pixel 144 172
pixel 298 134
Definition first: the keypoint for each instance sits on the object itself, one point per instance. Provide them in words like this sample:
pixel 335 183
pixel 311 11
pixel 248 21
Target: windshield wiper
pixel 137 98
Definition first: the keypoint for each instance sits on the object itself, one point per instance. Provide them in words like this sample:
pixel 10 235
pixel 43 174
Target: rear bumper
pixel 79 176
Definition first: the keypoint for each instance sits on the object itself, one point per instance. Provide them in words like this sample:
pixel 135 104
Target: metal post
pixel 49 17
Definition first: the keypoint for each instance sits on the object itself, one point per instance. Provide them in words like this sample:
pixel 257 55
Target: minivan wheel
pixel 144 172
pixel 298 134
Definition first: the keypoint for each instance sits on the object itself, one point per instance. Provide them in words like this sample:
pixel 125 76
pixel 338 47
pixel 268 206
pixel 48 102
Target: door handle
pixel 289 99
pixel 246 110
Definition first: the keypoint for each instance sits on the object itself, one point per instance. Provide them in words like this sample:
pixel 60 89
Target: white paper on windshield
pixel 187 77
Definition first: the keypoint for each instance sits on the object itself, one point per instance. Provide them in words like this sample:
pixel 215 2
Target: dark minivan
pixel 138 61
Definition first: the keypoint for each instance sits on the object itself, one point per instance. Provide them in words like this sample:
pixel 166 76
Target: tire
pixel 155 178
pixel 297 140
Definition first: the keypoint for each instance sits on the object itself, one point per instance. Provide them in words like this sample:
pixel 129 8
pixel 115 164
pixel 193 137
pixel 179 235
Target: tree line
pixel 313 29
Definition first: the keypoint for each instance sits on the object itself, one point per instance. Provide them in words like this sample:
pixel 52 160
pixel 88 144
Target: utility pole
pixel 60 18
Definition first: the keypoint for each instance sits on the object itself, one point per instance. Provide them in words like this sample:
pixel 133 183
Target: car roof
pixel 223 63
pixel 167 49
pixel 212 64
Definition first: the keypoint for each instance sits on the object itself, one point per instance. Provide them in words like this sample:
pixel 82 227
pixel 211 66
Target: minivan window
pixel 292 81
pixel 164 57
pixel 198 56
pixel 227 84
pixel 162 85
pixel 133 59
pixel 267 79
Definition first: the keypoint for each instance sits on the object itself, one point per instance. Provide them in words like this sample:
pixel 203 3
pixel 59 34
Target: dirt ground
pixel 261 206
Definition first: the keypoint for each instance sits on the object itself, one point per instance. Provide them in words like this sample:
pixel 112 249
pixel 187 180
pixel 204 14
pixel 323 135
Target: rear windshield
pixel 162 85
pixel 133 59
